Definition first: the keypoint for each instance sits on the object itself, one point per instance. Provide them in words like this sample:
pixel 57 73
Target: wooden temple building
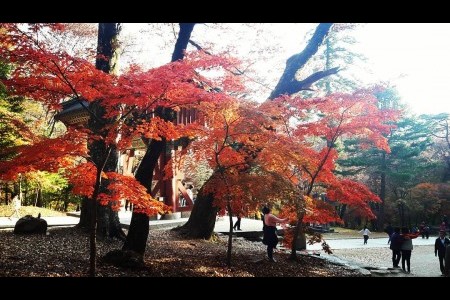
pixel 172 191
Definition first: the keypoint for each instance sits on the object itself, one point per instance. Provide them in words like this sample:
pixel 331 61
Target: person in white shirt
pixel 190 192
pixel 365 233
pixel 16 204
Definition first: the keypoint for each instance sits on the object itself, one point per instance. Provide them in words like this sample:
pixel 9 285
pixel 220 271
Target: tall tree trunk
pixel 198 225
pixel 380 217
pixel 295 241
pixel 446 175
pixel 107 61
pixel 183 39
pixel 288 84
pixel 93 224
pixel 230 231
pixel 108 47
pixel 5 191
pixel 203 217
pixel 39 198
pixel 342 211
pixel 139 227
pixel 85 214
pixel 93 233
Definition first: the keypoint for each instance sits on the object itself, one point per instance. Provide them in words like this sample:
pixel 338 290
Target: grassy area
pixel 6 211
pixel 346 233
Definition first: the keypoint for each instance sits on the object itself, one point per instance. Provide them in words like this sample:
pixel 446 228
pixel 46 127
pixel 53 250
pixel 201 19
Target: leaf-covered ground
pixel 65 252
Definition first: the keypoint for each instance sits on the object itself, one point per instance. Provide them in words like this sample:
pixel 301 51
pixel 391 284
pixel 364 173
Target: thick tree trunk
pixel 107 218
pixel 108 47
pixel 202 219
pixel 139 227
pixel 342 211
pixel 108 223
pixel 183 39
pixel 93 233
pixel 85 214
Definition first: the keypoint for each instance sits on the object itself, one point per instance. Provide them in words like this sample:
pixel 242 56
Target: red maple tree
pixel 303 151
pixel 50 75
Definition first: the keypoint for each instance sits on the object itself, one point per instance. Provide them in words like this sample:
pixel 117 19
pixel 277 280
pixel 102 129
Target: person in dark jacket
pixel 237 225
pixel 439 249
pixel 396 247
pixel 389 230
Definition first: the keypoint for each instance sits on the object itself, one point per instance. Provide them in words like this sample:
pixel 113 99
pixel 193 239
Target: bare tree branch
pixel 294 63
pixel 306 83
pixel 183 38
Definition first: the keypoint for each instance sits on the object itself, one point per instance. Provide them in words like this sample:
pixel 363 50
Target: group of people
pixel 400 240
pixel 402 246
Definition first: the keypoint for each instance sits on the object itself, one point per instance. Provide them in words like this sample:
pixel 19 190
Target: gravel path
pixel 423 261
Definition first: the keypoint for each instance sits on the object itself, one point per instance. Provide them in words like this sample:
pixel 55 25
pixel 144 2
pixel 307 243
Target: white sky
pixel 413 57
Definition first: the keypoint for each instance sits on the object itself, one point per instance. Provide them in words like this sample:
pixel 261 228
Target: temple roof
pixel 73 112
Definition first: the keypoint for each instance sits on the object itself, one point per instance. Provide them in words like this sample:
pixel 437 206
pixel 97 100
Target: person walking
pixel 237 225
pixel 396 247
pixel 270 237
pixel 15 204
pixel 425 230
pixel 365 233
pixel 447 261
pixel 439 249
pixel 389 230
pixel 407 247
pixel 422 229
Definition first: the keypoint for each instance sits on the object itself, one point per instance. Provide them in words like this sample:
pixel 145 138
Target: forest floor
pixel 64 252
